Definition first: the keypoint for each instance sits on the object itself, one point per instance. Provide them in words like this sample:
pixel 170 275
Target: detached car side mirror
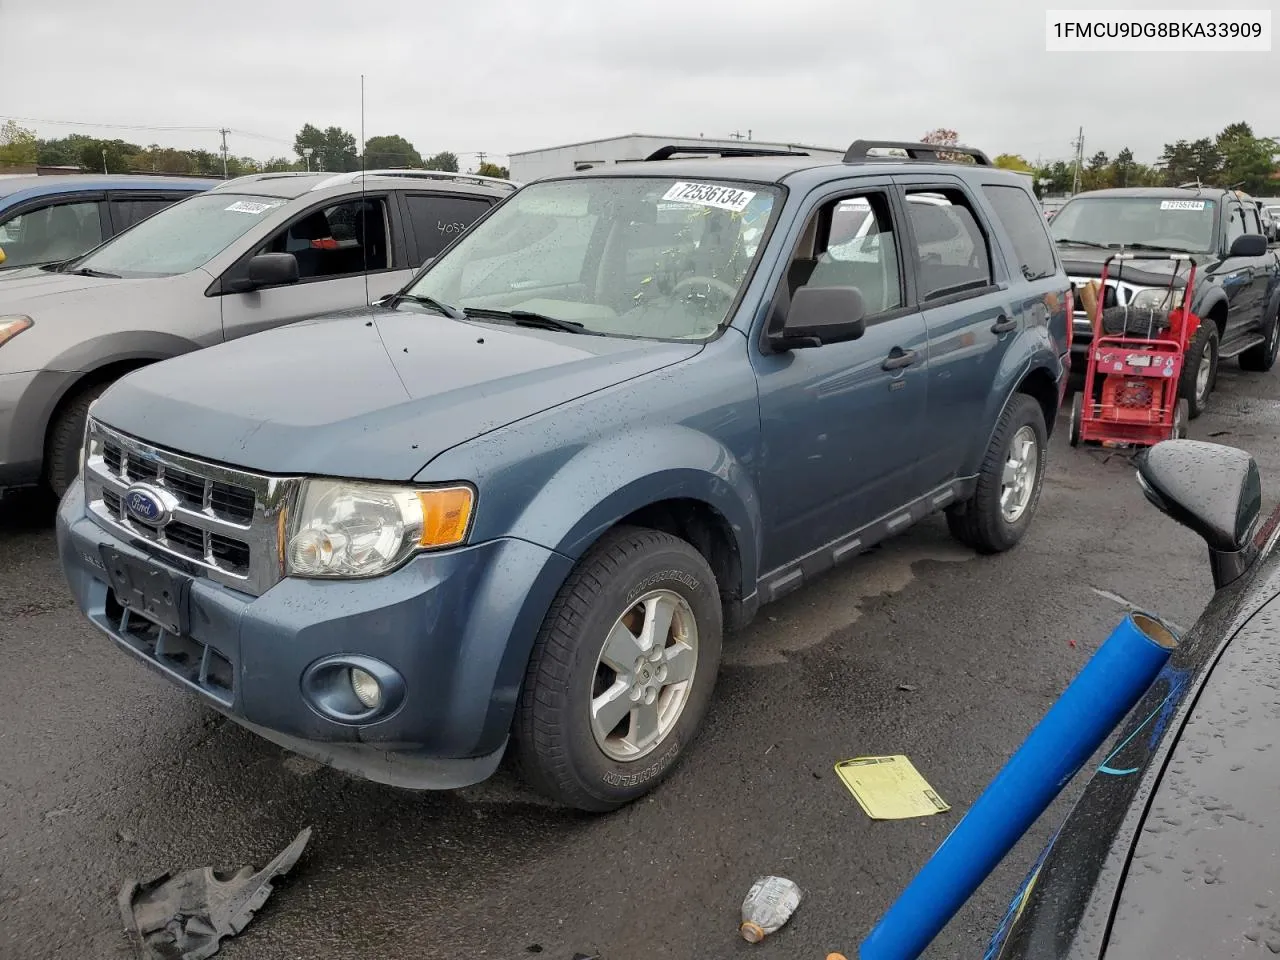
pixel 819 315
pixel 1250 245
pixel 1211 489
pixel 270 270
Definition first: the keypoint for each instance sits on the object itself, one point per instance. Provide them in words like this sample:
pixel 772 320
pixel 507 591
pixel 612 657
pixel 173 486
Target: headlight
pixel 348 528
pixel 1154 298
pixel 13 325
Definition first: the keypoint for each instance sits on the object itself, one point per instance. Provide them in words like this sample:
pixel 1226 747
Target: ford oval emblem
pixel 148 505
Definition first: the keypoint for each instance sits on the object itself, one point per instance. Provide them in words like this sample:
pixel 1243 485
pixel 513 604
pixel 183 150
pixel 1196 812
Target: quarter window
pixel 1025 226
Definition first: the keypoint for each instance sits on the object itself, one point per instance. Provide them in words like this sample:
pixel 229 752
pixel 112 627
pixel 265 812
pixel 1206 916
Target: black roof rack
pixel 861 150
pixel 667 152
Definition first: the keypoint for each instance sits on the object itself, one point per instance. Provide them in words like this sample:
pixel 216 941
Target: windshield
pixel 1179 225
pixel 645 256
pixel 179 238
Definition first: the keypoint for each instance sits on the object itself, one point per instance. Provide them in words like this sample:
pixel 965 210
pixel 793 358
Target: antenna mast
pixel 364 204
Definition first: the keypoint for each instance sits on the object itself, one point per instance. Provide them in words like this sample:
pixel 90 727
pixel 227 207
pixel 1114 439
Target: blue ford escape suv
pixel 517 504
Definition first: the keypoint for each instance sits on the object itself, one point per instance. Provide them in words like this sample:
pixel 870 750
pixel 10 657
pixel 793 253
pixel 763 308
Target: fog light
pixel 366 688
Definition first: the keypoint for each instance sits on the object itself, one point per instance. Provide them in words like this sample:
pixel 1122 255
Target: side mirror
pixel 1211 489
pixel 271 270
pixel 2 256
pixel 821 315
pixel 1250 245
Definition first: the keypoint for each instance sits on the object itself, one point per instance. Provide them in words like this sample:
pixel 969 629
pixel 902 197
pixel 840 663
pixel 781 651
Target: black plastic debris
pixel 188 916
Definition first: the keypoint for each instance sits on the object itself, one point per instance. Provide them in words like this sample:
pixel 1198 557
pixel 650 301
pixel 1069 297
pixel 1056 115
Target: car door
pixel 970 312
pixel 1237 275
pixel 50 229
pixel 436 219
pixel 842 423
pixel 349 252
pixel 1259 273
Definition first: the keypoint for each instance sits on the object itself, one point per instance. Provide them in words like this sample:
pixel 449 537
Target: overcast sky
pixel 501 76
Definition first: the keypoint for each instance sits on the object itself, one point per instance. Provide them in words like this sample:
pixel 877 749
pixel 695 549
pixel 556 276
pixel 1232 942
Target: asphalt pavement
pixel 107 772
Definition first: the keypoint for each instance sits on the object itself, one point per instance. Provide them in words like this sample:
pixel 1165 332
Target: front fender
pixel 1210 297
pixel 94 353
pixel 618 475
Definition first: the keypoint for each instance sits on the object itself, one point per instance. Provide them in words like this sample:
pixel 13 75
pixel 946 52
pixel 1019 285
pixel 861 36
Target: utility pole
pixel 1079 145
pixel 480 154
pixel 224 131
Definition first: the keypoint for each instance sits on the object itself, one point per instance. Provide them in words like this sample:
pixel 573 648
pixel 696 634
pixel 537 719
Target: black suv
pixel 1237 280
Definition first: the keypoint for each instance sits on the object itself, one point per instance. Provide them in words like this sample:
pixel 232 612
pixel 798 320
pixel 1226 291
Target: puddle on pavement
pixel 827 605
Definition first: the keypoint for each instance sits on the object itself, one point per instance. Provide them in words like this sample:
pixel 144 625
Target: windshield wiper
pixel 527 318
pixel 448 309
pixel 90 272
pixel 1086 243
pixel 1159 246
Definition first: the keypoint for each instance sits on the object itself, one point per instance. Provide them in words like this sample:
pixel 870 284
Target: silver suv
pixel 253 253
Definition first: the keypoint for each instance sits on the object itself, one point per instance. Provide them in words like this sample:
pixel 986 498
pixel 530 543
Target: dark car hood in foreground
pixel 373 394
pixel 1205 874
pixel 1166 902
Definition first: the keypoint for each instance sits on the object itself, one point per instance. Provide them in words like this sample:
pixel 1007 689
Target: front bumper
pixel 457 627
pixel 22 399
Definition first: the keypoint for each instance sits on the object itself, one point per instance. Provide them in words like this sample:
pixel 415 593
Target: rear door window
pixel 437 219
pixel 49 234
pixel 126 211
pixel 951 250
pixel 1016 210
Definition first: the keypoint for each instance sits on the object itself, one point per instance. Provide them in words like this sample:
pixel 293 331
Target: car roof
pixel 1162 193
pixel 801 171
pixel 290 185
pixel 37 186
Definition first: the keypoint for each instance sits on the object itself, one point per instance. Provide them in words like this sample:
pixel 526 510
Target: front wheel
pixel 66 437
pixel 1200 369
pixel 995 518
pixel 622 671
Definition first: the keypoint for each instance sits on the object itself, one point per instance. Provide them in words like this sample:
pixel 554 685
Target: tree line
pixel 1235 158
pixel 332 149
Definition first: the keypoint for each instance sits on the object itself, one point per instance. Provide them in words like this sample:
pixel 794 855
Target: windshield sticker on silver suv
pixel 1181 204
pixel 710 195
pixel 251 206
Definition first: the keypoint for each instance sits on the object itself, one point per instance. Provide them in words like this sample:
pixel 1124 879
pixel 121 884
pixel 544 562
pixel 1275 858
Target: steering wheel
pixel 725 288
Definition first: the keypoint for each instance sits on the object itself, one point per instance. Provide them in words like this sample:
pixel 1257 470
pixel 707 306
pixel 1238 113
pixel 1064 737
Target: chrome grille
pixel 1118 293
pixel 227 522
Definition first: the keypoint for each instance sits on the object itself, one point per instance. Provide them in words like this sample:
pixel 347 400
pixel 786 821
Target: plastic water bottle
pixel 769 904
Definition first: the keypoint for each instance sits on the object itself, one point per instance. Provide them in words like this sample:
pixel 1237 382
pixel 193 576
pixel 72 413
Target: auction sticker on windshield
pixel 251 206
pixel 1181 204
pixel 710 195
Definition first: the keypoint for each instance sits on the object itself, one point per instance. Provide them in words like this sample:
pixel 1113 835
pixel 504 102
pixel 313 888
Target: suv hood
pixel 41 292
pixel 372 394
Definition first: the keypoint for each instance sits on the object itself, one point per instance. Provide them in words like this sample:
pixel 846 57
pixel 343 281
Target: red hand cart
pixel 1130 395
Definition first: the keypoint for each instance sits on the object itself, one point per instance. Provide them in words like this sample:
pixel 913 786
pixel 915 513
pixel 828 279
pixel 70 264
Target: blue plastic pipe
pixel 1113 680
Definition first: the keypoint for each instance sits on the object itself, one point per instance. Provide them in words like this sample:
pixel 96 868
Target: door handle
pixel 1004 325
pixel 898 358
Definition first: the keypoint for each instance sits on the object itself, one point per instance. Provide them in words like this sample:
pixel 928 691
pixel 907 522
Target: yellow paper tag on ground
pixel 889 788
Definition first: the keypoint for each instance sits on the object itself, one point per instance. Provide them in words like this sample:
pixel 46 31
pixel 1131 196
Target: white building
pixel 558 161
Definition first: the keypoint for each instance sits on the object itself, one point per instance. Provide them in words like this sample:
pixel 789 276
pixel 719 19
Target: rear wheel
pixel 1261 358
pixel 65 438
pixel 995 518
pixel 1200 368
pixel 1077 418
pixel 622 671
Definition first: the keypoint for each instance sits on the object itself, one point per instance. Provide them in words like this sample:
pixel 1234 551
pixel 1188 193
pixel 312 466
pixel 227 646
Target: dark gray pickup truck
pixel 1237 286
pixel 518 503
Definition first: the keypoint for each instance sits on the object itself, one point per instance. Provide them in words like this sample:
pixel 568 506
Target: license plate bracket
pixel 146 589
